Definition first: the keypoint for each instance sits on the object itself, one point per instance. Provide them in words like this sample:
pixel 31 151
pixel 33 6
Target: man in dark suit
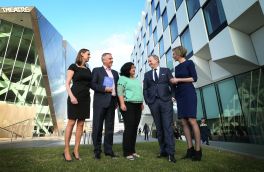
pixel 104 105
pixel 157 91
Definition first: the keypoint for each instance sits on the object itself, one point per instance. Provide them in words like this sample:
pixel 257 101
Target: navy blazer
pixel 162 89
pixel 101 98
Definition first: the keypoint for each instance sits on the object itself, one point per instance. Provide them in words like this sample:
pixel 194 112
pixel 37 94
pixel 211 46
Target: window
pixel 144 40
pixel 173 29
pixel 212 110
pixel 148 48
pixel 200 112
pixel 146 20
pixel 152 6
pixel 192 7
pixel 161 47
pixel 158 12
pixel 214 17
pixel 169 60
pixel 178 3
pixel 141 30
pixel 150 28
pixel 155 36
pixel 186 42
pixel 233 119
pixel 165 19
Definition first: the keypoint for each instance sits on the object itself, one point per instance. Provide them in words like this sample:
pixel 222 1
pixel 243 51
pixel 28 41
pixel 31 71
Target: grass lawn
pixel 50 159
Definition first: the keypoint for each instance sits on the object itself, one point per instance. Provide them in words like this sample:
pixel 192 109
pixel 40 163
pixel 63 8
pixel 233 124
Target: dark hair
pixel 78 59
pixel 124 71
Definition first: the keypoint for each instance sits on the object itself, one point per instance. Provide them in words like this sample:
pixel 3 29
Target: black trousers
pixel 131 120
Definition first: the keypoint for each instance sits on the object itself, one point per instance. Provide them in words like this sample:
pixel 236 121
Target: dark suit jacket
pixel 101 98
pixel 162 89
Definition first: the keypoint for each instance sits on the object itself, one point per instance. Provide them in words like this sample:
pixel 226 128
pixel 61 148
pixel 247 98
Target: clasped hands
pixel 174 80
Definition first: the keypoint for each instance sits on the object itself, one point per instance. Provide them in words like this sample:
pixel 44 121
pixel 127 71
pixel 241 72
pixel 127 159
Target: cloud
pixel 120 45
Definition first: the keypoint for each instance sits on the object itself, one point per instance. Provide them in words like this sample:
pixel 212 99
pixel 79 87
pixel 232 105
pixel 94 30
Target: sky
pixel 98 25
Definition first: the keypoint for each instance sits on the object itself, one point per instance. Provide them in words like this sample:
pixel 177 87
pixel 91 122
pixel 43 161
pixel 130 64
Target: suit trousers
pixel 131 120
pixel 102 114
pixel 162 112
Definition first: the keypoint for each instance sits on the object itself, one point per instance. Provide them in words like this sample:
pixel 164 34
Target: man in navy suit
pixel 104 105
pixel 157 91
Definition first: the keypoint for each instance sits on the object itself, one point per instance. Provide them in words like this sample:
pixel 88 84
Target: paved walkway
pixel 253 150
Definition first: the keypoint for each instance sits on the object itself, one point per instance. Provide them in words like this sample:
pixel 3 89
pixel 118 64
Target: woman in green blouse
pixel 130 95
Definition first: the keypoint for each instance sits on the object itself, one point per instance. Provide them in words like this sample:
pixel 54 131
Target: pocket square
pixel 163 74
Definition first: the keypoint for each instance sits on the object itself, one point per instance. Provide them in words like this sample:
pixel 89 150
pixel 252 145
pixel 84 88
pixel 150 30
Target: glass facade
pixel 192 7
pixel 214 17
pixel 186 42
pixel 234 108
pixel 173 29
pixel 169 60
pixel 165 19
pixel 161 47
pixel 178 3
pixel 155 36
pixel 158 11
pixel 150 28
pixel 33 68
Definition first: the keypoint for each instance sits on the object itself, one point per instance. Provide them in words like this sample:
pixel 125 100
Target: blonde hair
pixel 155 57
pixel 180 51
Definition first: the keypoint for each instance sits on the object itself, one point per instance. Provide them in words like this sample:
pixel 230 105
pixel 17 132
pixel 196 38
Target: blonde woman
pixel 185 94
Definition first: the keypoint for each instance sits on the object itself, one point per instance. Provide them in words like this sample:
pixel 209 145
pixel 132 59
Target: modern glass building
pixel 33 61
pixel 225 40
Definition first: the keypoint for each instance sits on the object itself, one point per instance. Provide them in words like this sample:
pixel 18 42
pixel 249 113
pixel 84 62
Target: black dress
pixel 185 93
pixel 81 90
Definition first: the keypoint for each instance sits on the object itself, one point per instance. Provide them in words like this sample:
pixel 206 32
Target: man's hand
pixel 108 89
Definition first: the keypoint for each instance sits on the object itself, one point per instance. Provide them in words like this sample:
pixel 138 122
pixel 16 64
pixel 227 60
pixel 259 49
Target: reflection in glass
pixel 251 94
pixel 212 112
pixel 233 119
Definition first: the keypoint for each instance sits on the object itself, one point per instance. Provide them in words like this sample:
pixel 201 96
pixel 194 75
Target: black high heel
pixel 73 154
pixel 198 155
pixel 189 153
pixel 63 154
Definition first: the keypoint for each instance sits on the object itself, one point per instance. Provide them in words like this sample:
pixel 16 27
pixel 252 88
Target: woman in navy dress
pixel 78 101
pixel 185 94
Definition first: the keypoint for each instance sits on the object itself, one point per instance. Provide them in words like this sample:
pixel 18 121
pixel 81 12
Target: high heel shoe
pixel 189 153
pixel 198 155
pixel 77 158
pixel 63 154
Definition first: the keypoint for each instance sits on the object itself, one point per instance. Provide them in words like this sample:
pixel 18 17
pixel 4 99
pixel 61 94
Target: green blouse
pixel 130 88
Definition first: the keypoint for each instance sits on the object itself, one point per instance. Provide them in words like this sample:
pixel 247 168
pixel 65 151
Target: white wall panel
pixel 258 42
pixel 182 17
pixel 171 9
pixel 234 8
pixel 198 32
pixel 166 39
pixel 221 45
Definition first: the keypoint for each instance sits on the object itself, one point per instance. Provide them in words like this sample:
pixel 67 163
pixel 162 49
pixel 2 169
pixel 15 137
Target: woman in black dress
pixel 185 94
pixel 78 101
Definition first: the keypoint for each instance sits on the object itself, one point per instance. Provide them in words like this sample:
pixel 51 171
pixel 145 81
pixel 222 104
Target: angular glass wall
pixel 251 94
pixel 21 80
